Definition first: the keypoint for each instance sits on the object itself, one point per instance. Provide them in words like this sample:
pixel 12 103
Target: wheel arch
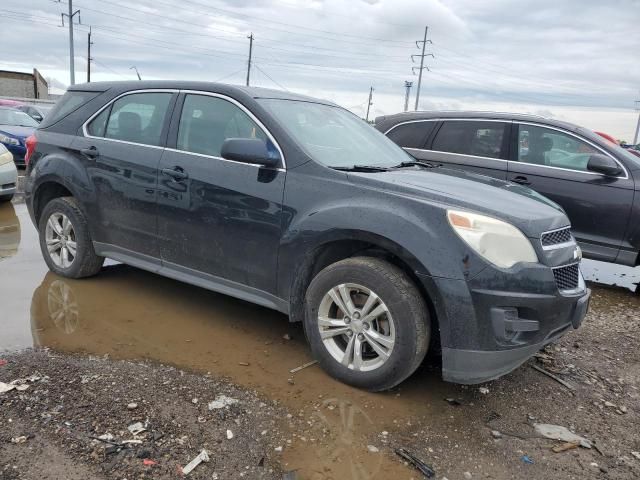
pixel 352 243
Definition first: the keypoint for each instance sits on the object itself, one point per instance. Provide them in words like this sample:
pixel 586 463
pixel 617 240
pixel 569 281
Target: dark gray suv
pixel 295 204
pixel 595 181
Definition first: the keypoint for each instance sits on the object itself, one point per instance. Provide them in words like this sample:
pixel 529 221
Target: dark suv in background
pixel 298 205
pixel 593 180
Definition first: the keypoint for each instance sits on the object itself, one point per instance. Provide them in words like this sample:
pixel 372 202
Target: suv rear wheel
pixel 366 322
pixel 65 241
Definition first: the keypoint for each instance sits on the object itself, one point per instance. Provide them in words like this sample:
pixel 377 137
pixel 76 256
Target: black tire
pixel 403 300
pixel 6 198
pixel 86 263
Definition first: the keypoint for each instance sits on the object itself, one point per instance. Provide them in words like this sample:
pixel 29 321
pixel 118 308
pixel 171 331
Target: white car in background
pixel 8 175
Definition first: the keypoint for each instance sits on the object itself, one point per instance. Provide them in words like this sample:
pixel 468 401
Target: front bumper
pixel 492 323
pixel 8 179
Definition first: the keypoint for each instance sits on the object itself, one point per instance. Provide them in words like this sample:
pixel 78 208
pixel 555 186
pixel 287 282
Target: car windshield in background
pixel 333 136
pixel 16 118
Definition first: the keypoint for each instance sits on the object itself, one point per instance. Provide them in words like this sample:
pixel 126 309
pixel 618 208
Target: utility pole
pixel 408 86
pixel 250 37
pixel 70 15
pixel 89 43
pixel 137 72
pixel 635 137
pixel 369 103
pixel 422 66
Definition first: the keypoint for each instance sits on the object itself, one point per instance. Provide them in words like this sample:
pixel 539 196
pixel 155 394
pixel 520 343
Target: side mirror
pixel 248 150
pixel 603 164
pixel 37 117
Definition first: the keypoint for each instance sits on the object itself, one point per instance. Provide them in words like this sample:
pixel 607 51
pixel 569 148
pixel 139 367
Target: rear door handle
pixel 91 152
pixel 521 180
pixel 177 173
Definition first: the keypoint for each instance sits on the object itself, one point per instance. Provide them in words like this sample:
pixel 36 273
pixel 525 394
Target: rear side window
pixel 70 102
pixel 206 122
pixel 478 138
pixel 411 135
pixel 136 118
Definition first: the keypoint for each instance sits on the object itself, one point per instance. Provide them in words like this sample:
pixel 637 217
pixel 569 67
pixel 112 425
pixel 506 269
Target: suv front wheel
pixel 65 241
pixel 367 323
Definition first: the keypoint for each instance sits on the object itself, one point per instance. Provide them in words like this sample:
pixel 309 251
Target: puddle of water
pixel 129 313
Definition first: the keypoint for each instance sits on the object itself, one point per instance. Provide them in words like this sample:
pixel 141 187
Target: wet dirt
pixel 129 314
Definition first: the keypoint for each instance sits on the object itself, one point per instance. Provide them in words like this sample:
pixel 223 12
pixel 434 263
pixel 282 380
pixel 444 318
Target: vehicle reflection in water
pixel 128 313
pixel 9 231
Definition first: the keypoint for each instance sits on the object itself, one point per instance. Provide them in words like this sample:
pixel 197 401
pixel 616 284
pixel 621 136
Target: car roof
pixel 254 92
pixel 388 121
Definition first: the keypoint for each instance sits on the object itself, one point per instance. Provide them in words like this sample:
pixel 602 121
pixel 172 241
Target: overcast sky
pixel 571 59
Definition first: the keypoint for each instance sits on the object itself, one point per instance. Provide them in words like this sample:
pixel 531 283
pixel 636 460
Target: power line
pixel 369 102
pixel 269 77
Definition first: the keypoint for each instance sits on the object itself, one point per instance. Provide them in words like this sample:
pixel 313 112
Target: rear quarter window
pixel 70 102
pixel 411 135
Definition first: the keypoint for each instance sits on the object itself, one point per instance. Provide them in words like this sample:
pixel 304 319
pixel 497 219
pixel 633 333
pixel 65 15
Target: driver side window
pixel 552 148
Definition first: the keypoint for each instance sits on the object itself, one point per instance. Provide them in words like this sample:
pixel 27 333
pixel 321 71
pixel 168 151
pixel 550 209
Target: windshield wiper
pixel 415 163
pixel 362 168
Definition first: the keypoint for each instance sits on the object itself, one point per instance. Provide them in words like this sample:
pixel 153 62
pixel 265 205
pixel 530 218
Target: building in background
pixel 23 85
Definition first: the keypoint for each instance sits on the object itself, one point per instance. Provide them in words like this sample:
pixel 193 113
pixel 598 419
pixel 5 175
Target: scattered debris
pixel 132 406
pixel 243 364
pixel 290 475
pixel 229 434
pixel 496 434
pixel 20 439
pixel 557 432
pixel 467 475
pixel 373 448
pixel 278 449
pixel 303 366
pixel 483 390
pixel 636 454
pixel 290 381
pixel 203 456
pixel 526 459
pixel 452 401
pixel 3 362
pixel 425 469
pixel 555 377
pixel 221 401
pixel 132 442
pixel 136 428
pixel 148 462
pixel 565 446
pixel 286 336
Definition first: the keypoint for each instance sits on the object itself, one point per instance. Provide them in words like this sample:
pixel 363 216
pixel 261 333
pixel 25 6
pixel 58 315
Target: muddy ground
pixel 152 329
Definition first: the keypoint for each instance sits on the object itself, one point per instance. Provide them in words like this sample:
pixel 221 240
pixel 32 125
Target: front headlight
pixel 498 242
pixel 7 140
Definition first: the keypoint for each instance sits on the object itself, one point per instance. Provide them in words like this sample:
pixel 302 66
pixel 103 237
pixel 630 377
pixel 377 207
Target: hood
pixel 16 131
pixel 528 210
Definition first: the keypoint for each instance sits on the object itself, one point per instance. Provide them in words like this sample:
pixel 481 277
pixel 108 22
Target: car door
pixel 474 145
pixel 219 219
pixel 120 150
pixel 553 162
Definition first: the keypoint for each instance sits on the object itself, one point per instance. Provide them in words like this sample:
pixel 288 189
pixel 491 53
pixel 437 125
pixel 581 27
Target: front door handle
pixel 91 152
pixel 521 180
pixel 177 173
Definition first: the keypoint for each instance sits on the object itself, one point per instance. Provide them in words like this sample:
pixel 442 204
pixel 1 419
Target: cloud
pixel 543 54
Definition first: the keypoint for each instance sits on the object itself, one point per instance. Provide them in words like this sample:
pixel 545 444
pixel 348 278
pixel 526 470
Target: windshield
pixel 16 118
pixel 333 136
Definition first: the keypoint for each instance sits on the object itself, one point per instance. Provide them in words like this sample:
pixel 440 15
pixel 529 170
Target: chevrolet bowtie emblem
pixel 577 254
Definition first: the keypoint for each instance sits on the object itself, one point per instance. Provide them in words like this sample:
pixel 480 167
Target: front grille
pixel 556 237
pixel 7 185
pixel 567 278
